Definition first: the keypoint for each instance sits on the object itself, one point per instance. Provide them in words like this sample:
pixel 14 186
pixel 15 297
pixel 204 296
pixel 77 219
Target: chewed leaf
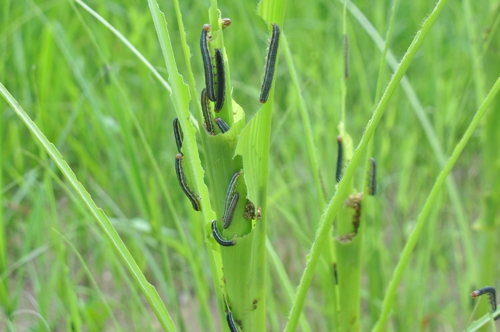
pixel 180 98
pixel 253 146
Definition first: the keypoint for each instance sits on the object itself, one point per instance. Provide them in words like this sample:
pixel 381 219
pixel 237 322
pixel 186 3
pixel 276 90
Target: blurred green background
pixel 80 84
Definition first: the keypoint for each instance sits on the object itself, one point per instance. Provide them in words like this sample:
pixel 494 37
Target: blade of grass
pixel 91 278
pixel 487 318
pixel 68 291
pixel 327 218
pixel 477 61
pixel 4 286
pixel 30 256
pixel 126 43
pixel 284 281
pixel 148 290
pixel 412 240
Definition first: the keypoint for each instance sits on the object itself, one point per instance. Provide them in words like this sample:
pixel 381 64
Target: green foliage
pixel 91 90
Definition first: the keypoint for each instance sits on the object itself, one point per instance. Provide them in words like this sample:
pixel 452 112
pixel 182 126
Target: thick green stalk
pixel 412 240
pixel 254 145
pixel 326 220
pixel 192 163
pixel 348 245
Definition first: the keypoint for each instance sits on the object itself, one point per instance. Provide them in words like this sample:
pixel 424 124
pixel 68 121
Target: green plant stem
pixel 4 285
pixel 180 99
pixel 4 289
pixel 412 240
pixel 343 82
pixel 326 220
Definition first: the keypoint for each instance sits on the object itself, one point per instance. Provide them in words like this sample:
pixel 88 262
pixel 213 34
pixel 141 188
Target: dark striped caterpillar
pixel 340 159
pixel 220 240
pixel 270 64
pixel 492 296
pixel 182 181
pixel 231 200
pixel 207 62
pixel 221 80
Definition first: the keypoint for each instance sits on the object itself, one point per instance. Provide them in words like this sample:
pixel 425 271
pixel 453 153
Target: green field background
pixel 100 106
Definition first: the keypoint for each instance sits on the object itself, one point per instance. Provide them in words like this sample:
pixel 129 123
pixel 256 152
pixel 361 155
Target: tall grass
pixel 91 89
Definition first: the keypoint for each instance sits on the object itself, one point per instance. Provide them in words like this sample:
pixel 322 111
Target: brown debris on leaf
pixel 354 201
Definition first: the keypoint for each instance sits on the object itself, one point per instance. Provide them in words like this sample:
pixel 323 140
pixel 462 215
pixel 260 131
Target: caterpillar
pixel 270 64
pixel 182 181
pixel 492 294
pixel 179 136
pixel 340 158
pixel 221 80
pixel 372 178
pixel 205 107
pixel 231 322
pixel 223 126
pixel 207 62
pixel 220 240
